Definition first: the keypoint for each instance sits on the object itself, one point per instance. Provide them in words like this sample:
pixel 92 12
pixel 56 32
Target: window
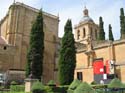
pixel 4 47
pixel 84 33
pixel 79 75
pixel 78 34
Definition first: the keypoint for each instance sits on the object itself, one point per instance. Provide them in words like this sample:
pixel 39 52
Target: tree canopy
pixel 67 59
pixel 36 48
pixel 122 23
pixel 110 33
pixel 101 30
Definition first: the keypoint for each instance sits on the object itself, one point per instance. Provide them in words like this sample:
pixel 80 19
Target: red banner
pixel 98 67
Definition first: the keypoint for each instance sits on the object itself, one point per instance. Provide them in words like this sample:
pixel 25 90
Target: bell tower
pixel 86 31
pixel 86 27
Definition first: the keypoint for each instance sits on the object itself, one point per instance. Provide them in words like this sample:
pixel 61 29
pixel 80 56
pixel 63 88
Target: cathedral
pixel 98 61
pixel 15 30
pixel 95 61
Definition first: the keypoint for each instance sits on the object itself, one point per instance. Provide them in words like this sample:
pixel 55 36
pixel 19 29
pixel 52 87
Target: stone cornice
pixel 30 8
pixel 108 43
pixel 103 44
pixel 84 23
pixel 35 10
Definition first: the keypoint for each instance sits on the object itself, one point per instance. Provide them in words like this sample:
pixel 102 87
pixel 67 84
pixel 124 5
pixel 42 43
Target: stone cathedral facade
pixel 15 30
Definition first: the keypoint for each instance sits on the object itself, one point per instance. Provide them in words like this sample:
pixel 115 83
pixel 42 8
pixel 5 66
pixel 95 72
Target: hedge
pixel 17 88
pixel 73 86
pixel 84 88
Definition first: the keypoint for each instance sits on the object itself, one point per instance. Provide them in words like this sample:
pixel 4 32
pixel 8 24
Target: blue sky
pixel 108 9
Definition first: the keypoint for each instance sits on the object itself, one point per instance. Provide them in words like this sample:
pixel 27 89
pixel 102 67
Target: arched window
pixel 84 32
pixel 78 34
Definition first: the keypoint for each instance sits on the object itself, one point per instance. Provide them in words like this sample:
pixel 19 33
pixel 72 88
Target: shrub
pixel 100 91
pixel 84 88
pixel 115 83
pixel 73 86
pixel 51 83
pixel 49 89
pixel 60 89
pixel 13 83
pixel 124 85
pixel 37 87
pixel 93 83
pixel 98 86
pixel 17 88
pixel 63 89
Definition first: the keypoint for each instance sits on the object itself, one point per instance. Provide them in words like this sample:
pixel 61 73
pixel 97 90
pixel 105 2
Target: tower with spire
pixel 86 32
pixel 86 27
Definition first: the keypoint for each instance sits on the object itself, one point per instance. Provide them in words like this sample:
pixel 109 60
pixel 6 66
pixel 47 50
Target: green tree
pixel 110 33
pixel 36 48
pixel 101 30
pixel 67 60
pixel 122 23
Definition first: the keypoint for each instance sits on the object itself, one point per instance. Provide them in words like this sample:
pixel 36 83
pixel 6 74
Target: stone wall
pixel 108 51
pixel 7 53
